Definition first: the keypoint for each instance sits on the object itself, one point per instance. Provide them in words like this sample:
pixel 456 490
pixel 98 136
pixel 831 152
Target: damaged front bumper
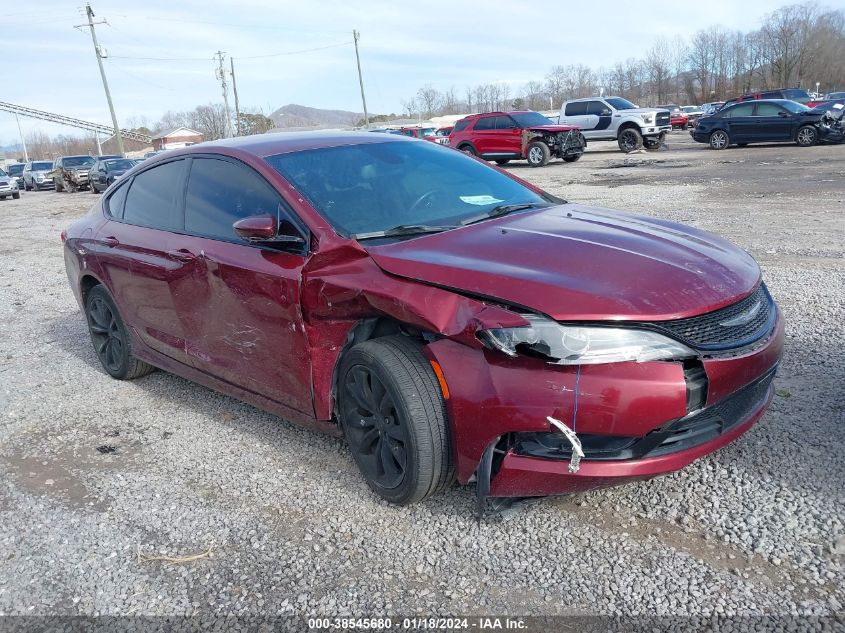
pixel 631 420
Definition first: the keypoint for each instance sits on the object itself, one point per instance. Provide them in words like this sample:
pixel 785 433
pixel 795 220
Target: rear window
pixel 578 108
pixel 485 123
pixel 155 197
pixel 461 125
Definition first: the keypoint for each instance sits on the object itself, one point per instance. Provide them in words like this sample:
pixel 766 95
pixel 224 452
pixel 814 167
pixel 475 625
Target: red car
pixel 451 320
pixel 677 117
pixel 426 133
pixel 505 136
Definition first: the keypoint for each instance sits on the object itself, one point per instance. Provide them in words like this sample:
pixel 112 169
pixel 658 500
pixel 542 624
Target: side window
pixel 155 197
pixel 114 205
pixel 460 125
pixel 220 193
pixel 505 123
pixel 579 108
pixel 743 109
pixel 767 109
pixel 596 107
pixel 485 123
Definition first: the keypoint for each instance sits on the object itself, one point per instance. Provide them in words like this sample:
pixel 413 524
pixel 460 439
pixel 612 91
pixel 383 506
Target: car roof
pixel 263 145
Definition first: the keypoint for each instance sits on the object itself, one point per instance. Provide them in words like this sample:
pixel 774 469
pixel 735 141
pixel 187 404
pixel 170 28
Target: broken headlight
pixel 582 345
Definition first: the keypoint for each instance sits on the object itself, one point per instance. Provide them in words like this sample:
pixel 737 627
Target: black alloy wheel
pixel 393 415
pixel 376 433
pixel 109 337
pixel 630 140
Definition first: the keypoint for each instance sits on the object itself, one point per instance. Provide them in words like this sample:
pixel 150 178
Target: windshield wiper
pixel 404 229
pixel 504 209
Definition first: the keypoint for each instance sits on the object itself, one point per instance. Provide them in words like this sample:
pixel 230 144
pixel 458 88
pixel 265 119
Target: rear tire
pixel 394 418
pixel 719 139
pixel 538 154
pixel 502 161
pixel 109 337
pixel 468 149
pixel 630 140
pixel 807 136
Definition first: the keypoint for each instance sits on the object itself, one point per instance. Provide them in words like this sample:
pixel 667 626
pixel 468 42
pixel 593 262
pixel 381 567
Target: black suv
pixel 793 94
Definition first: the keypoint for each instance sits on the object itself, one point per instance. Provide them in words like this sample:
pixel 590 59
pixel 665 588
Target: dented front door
pixel 240 309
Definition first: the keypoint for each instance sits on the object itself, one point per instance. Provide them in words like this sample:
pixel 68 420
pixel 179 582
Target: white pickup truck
pixel 617 119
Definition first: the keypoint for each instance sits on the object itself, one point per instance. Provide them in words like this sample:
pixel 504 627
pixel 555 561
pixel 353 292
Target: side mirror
pixel 264 229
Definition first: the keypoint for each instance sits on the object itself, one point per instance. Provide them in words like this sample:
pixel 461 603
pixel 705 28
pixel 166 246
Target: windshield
pixel 78 161
pixel 428 131
pixel 372 187
pixel 831 96
pixel 794 107
pixel 801 96
pixel 42 166
pixel 15 170
pixel 690 109
pixel 530 119
pixel 121 163
pixel 621 104
pixel 3 173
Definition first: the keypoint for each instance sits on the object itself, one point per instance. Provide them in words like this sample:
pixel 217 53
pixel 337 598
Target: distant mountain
pixel 293 115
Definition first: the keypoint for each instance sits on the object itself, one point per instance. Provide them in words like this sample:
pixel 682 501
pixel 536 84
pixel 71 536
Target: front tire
pixel 538 154
pixel 394 418
pixel 56 185
pixel 110 338
pixel 16 196
pixel 630 140
pixel 502 161
pixel 806 136
pixel 719 139
pixel 572 158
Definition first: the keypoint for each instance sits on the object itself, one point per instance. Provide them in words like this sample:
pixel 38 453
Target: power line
pixel 228 25
pixel 306 50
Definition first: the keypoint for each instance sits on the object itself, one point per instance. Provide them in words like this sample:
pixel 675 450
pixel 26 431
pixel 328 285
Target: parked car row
pixel 66 173
pixel 768 120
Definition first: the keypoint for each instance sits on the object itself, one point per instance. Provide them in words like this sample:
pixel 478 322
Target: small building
pixel 176 137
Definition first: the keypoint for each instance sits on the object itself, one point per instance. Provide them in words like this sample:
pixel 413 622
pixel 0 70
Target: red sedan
pixel 451 320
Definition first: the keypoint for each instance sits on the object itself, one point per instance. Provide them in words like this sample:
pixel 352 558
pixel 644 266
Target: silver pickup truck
pixel 617 119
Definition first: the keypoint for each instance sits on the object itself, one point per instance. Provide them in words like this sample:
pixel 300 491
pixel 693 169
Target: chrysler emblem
pixel 743 317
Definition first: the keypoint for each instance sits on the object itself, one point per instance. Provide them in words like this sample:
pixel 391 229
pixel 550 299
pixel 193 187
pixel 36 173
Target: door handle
pixel 182 255
pixel 111 241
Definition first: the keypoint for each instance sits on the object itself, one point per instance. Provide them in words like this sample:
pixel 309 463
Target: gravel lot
pixel 290 528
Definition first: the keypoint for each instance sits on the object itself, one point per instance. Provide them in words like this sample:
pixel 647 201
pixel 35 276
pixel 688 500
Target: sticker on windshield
pixel 480 200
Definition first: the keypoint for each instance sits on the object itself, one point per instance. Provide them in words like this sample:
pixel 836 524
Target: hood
pixel 553 127
pixel 578 263
pixel 643 110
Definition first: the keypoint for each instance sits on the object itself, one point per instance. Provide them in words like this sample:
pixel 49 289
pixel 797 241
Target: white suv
pixel 617 119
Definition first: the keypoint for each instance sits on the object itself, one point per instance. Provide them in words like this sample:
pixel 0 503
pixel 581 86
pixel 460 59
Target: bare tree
pixel 658 69
pixel 429 100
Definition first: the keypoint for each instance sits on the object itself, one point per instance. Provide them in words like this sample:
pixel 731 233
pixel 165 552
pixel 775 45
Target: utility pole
pixel 221 75
pixel 237 105
pixel 99 147
pixel 90 13
pixel 23 142
pixel 355 36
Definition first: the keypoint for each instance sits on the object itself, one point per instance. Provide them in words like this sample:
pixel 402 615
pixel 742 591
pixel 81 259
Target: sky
pixel 161 54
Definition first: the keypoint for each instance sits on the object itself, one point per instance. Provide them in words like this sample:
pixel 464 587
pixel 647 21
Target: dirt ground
pixel 97 477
